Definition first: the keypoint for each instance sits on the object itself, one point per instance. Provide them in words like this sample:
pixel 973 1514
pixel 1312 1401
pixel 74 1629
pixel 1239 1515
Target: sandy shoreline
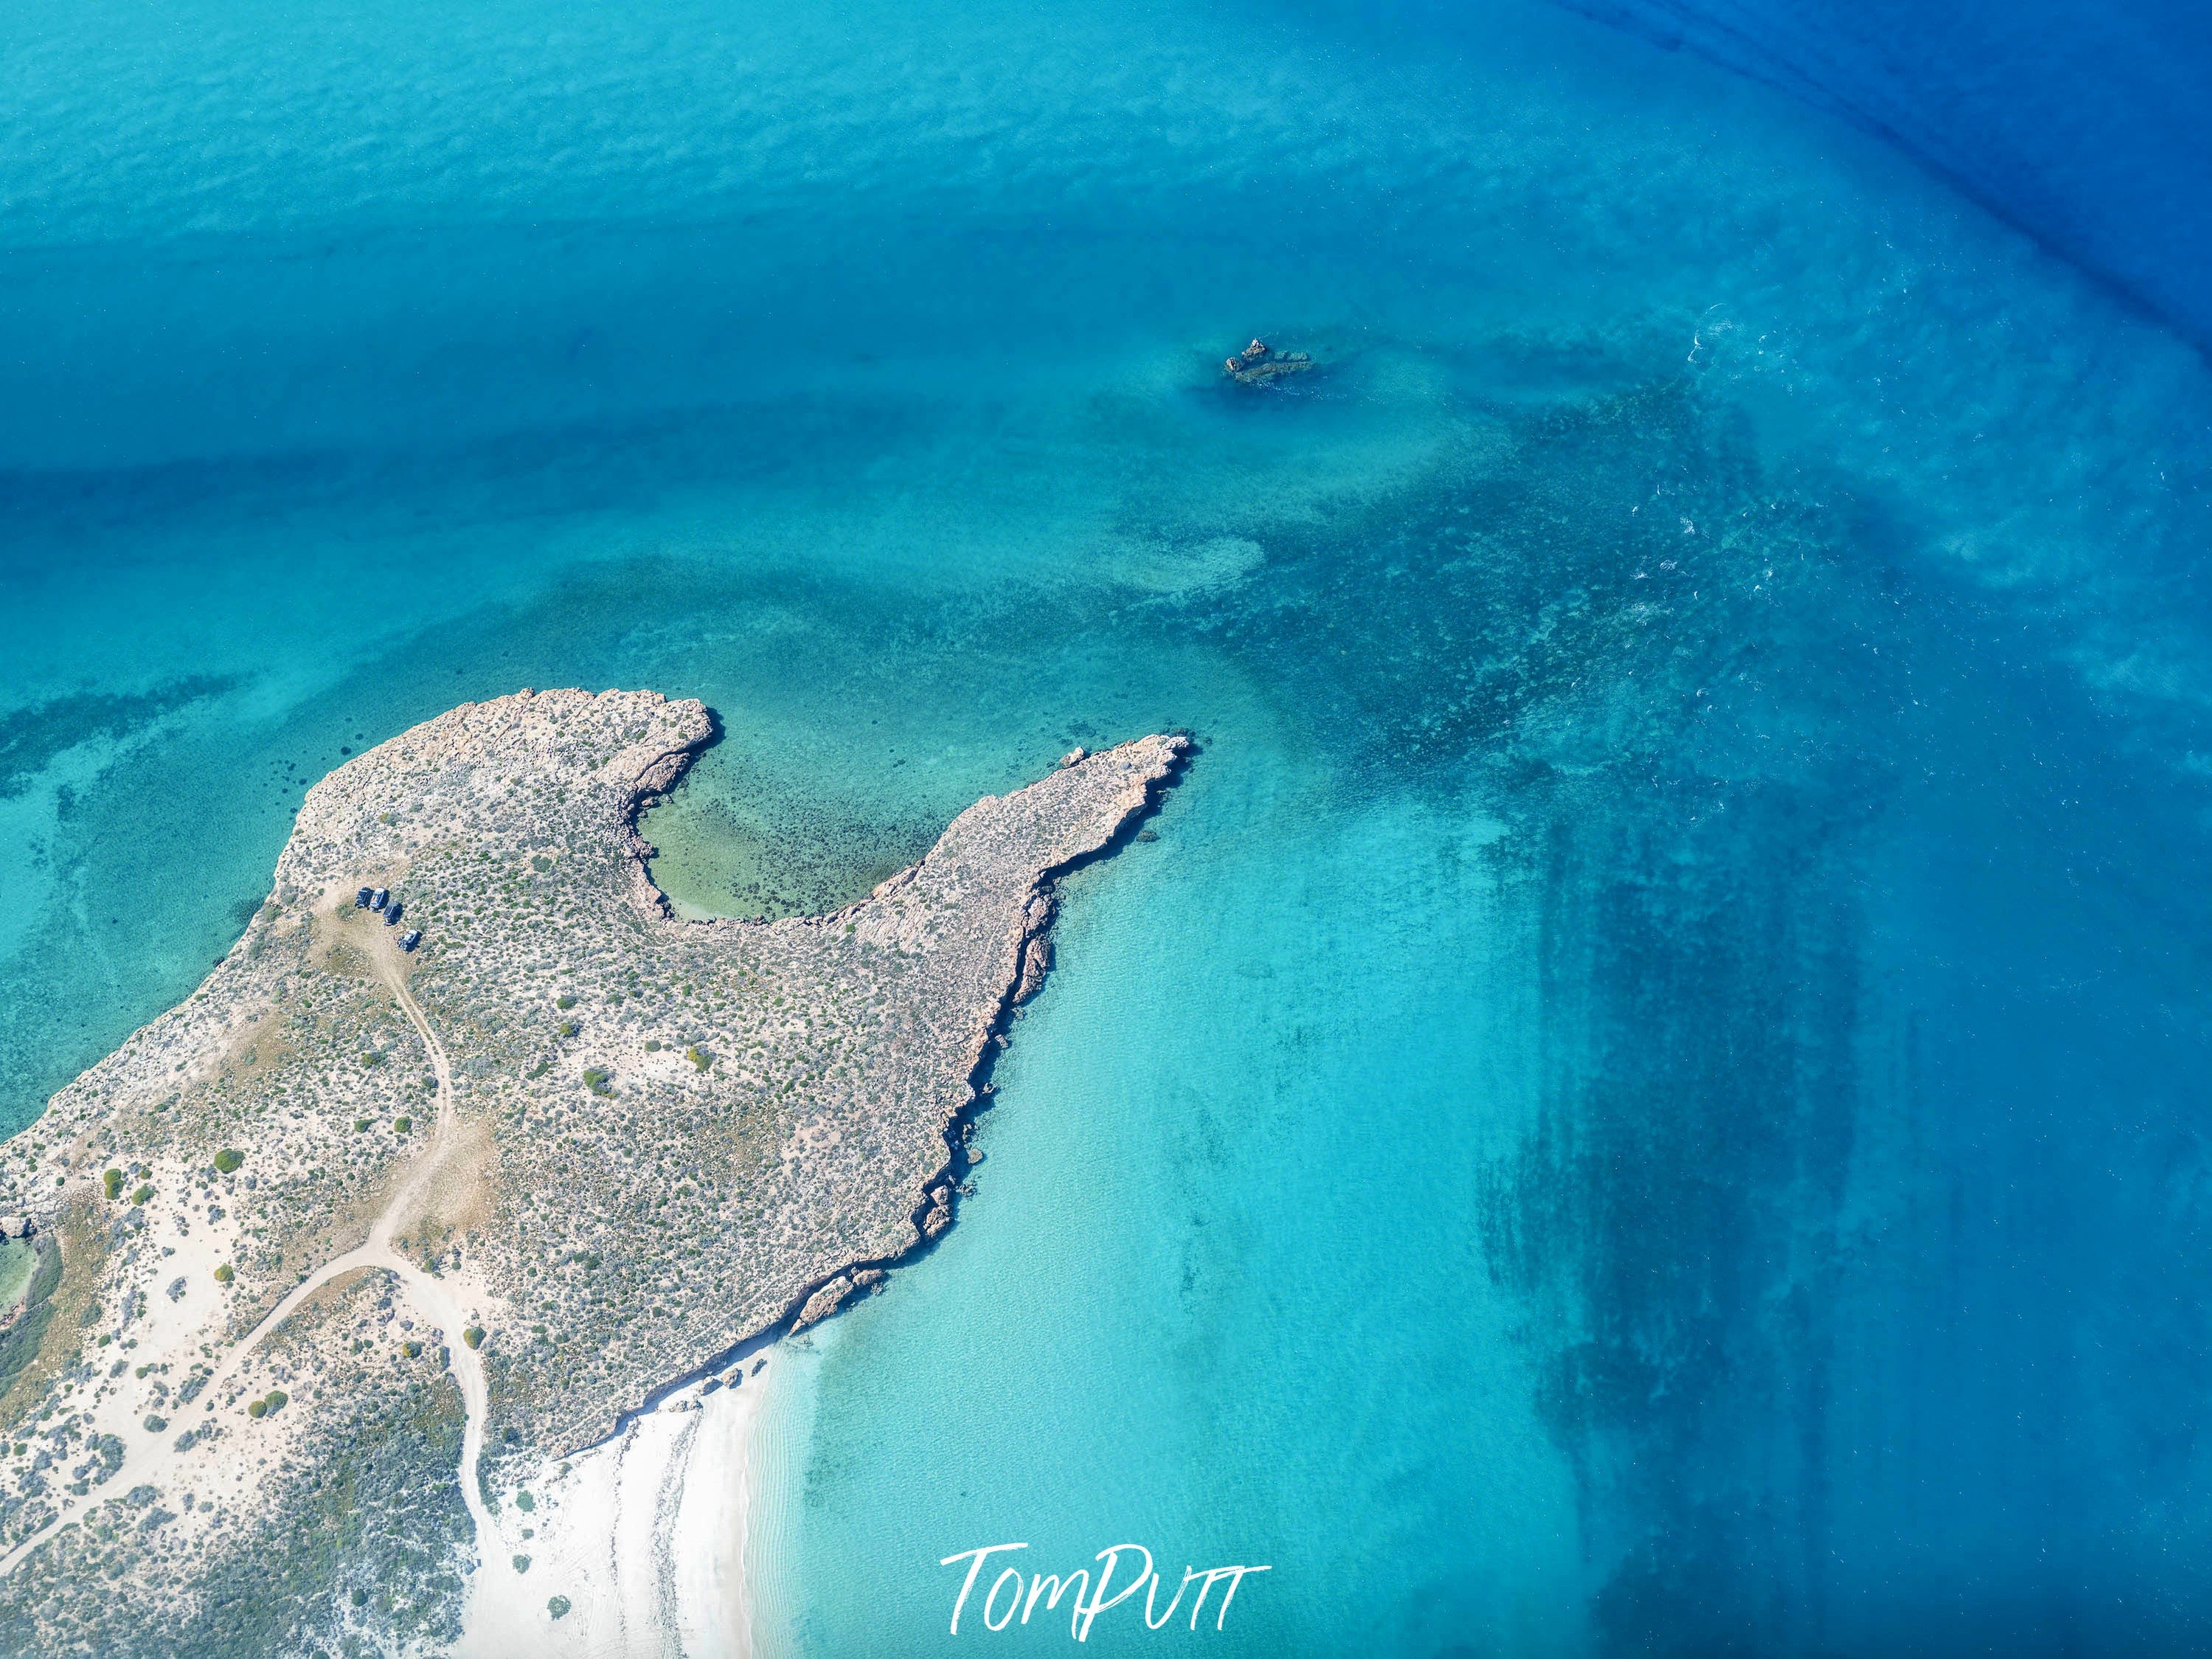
pixel 645 1536
pixel 245 1197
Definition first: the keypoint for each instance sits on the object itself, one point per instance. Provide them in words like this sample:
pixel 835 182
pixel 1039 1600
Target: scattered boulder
pixel 823 1303
pixel 1036 962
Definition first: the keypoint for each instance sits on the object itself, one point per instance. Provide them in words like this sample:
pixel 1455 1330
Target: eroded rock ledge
pixel 662 1136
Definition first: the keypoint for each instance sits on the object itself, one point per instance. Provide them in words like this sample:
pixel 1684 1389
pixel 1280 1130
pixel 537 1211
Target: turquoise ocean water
pixel 1647 1096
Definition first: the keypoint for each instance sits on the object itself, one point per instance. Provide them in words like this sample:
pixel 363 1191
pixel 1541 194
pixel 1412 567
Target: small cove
pixel 1571 1138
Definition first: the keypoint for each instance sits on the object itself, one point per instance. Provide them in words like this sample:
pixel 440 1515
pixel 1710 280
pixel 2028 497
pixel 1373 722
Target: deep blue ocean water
pixel 2086 125
pixel 1648 1096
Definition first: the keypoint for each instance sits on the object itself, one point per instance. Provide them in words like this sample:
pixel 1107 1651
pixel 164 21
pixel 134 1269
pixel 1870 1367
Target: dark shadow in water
pixel 1859 1233
pixel 1860 1237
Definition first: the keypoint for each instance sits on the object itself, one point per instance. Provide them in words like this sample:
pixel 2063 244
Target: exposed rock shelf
pixel 571 1152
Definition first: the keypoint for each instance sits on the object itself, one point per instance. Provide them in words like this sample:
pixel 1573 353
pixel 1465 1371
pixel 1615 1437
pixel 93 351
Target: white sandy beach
pixel 645 1536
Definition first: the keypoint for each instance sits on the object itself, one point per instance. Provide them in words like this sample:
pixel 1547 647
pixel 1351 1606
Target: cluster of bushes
pixel 111 1181
pixel 272 1401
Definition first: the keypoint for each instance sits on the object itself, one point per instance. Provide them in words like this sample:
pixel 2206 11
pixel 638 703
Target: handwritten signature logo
pixel 1021 1593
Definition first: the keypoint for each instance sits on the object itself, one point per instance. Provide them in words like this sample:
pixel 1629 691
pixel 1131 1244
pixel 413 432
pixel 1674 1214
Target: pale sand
pixel 166 1338
pixel 641 1538
pixel 646 1535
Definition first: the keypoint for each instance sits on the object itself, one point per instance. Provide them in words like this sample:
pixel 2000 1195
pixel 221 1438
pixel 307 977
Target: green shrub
pixel 276 1399
pixel 413 1350
pixel 143 1194
pixel 539 1069
pixel 112 1180
pixel 360 1125
pixel 522 1563
pixel 652 1045
pixel 567 1028
pixel 228 1159
pixel 525 1503
pixel 256 1408
pixel 473 1336
pixel 402 1125
pixel 699 1057
pixel 564 1003
pixel 557 1606
pixel 373 1057
pixel 596 1081
pixel 223 1274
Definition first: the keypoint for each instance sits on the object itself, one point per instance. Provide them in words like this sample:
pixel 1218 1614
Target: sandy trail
pixel 149 1461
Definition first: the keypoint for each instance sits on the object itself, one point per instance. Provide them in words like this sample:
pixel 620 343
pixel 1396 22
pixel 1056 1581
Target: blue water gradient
pixel 1646 1097
pixel 2089 125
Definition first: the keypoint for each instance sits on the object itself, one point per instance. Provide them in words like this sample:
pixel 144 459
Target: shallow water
pixel 1643 1097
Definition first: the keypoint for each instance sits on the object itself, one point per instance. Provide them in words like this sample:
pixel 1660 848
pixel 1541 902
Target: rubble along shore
pixel 658 1138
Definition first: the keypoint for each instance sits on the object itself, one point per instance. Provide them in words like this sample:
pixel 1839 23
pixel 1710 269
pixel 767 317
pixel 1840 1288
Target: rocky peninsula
pixel 341 1257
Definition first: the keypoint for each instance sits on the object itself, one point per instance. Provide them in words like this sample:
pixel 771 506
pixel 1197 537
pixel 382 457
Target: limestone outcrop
pixel 606 1143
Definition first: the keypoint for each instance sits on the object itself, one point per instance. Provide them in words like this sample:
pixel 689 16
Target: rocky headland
pixel 336 1256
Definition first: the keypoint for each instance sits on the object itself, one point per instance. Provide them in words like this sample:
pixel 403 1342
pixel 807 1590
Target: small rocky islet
pixel 1261 364
pixel 596 1145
